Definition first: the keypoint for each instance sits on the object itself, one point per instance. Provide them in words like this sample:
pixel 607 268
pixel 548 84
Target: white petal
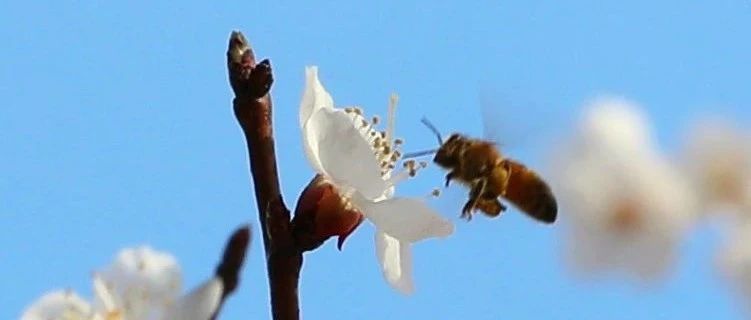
pixel 314 97
pixel 103 295
pixel 409 220
pixel 62 304
pixel 734 261
pixel 143 279
pixel 312 132
pixel 199 304
pixel 395 259
pixel 618 123
pixel 643 256
pixel 345 156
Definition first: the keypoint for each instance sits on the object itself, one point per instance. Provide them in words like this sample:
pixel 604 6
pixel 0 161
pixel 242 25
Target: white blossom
pixel 734 261
pixel 718 159
pixel 345 148
pixel 141 284
pixel 626 206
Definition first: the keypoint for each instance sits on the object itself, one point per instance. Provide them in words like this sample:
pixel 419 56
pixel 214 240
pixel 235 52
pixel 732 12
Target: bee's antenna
pixel 430 126
pixel 418 154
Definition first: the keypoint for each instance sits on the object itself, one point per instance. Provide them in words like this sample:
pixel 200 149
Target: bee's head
pixel 449 153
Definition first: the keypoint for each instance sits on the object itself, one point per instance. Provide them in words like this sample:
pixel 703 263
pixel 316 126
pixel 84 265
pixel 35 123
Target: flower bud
pixel 322 213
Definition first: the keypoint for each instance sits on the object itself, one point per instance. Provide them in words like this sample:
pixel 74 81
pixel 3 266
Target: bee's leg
pixel 450 176
pixel 491 207
pixel 467 211
pixel 474 197
pixel 490 197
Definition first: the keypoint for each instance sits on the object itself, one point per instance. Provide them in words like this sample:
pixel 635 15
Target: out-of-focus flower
pixel 141 284
pixel 735 262
pixel 718 161
pixel 718 158
pixel 354 163
pixel 61 304
pixel 625 204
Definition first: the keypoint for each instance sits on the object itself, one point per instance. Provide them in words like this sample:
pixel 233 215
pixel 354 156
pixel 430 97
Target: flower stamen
pixel 393 100
pixel 386 150
pixel 399 177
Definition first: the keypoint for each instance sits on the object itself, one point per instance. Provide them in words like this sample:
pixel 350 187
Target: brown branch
pixel 251 83
pixel 231 264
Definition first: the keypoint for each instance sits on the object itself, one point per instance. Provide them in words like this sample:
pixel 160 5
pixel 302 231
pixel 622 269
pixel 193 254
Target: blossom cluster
pixel 627 205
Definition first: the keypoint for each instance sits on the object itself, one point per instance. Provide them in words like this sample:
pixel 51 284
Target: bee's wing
pixel 490 113
pixel 516 123
pixel 528 192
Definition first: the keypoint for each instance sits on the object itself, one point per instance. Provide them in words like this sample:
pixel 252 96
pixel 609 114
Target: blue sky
pixel 117 130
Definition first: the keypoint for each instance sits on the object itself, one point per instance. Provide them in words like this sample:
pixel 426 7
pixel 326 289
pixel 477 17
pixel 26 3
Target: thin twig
pixel 251 83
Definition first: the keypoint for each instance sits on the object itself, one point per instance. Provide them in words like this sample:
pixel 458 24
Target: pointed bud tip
pixel 340 242
pixel 342 237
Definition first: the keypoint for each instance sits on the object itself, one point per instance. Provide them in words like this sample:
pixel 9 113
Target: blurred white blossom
pixel 735 262
pixel 625 205
pixel 345 149
pixel 141 284
pixel 60 304
pixel 718 160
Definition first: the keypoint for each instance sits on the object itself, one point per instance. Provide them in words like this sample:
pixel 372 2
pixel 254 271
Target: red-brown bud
pixel 322 213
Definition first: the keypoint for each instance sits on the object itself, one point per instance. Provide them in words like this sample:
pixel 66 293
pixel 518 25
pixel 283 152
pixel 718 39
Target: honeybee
pixel 480 165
